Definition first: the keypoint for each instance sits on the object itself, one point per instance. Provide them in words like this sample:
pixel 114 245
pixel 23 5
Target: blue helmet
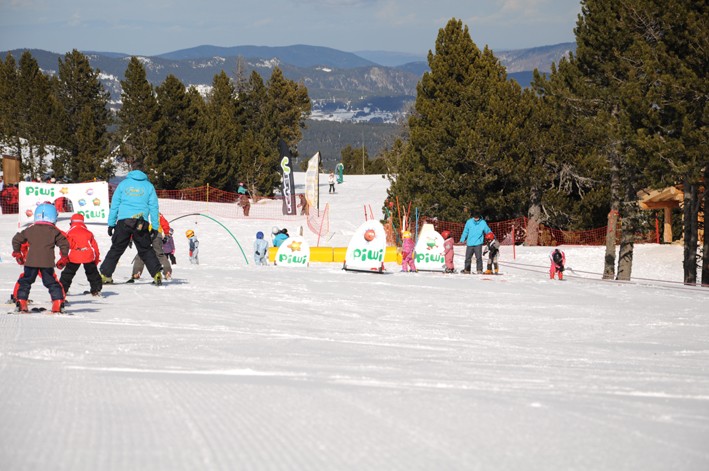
pixel 259 235
pixel 45 212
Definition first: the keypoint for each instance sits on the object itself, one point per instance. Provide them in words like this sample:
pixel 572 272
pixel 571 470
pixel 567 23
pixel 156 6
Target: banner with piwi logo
pixel 89 199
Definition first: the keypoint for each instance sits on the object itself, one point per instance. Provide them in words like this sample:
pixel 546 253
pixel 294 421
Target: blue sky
pixel 151 27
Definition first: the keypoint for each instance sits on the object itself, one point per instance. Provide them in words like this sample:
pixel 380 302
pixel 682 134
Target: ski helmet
pixel 445 234
pixel 259 235
pixel 45 212
pixel 275 230
pixel 78 217
pixel 489 236
pixel 406 235
pixel 189 233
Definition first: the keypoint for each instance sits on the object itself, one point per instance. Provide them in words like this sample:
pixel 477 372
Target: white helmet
pixel 275 230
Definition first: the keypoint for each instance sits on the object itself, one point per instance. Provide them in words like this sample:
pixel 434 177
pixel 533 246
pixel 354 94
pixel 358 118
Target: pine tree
pixel 223 132
pixel 461 133
pixel 138 116
pixel 176 162
pixel 82 99
pixel 9 107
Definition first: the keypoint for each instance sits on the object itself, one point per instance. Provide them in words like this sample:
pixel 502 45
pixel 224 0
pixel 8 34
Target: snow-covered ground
pixel 233 366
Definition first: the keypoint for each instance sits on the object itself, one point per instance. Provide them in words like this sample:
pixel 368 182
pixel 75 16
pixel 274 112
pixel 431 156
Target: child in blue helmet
pixel 260 249
pixel 42 236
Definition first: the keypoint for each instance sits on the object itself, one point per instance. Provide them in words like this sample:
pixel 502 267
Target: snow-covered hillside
pixel 233 366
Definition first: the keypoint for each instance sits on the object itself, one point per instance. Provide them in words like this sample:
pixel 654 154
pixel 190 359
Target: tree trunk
pixel 609 267
pixel 705 247
pixel 534 215
pixel 691 210
pixel 627 240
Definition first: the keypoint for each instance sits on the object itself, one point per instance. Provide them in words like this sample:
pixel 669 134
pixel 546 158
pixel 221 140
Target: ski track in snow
pixel 232 366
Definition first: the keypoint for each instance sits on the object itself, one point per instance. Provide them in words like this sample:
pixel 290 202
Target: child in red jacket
pixel 84 251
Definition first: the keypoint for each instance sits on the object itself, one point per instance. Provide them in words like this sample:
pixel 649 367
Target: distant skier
pixel 83 251
pixel 260 249
pixel 42 236
pixel 448 251
pixel 407 253
pixel 168 246
pixel 558 261
pixel 331 182
pixel 194 247
pixel 492 248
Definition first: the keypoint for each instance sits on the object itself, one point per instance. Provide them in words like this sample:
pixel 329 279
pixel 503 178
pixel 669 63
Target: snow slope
pixel 233 366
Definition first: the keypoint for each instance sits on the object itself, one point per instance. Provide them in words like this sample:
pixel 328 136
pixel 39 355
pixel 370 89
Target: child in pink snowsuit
pixel 448 251
pixel 558 260
pixel 407 253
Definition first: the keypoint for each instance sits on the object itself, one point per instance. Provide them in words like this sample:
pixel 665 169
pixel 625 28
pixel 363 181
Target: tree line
pixel 178 137
pixel 627 111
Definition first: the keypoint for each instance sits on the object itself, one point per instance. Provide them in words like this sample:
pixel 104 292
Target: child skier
pixel 448 251
pixel 260 249
pixel 280 236
pixel 492 247
pixel 168 246
pixel 407 253
pixel 194 247
pixel 42 236
pixel 558 260
pixel 83 251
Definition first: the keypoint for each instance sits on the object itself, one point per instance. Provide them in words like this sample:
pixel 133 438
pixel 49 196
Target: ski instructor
pixel 474 233
pixel 133 202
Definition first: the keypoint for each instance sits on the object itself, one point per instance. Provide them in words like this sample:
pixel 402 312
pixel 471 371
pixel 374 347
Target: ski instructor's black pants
pixel 476 250
pixel 123 232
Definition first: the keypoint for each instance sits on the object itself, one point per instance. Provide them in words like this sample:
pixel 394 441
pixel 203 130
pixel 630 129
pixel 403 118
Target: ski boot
pixel 157 279
pixel 22 305
pixel 106 280
pixel 57 306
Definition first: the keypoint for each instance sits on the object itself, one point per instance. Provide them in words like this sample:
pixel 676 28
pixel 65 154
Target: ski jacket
pixel 408 246
pixel 557 262
pixel 279 238
pixel 493 246
pixel 83 246
pixel 194 244
pixel 260 247
pixel 42 237
pixel 474 232
pixel 448 251
pixel 168 245
pixel 134 197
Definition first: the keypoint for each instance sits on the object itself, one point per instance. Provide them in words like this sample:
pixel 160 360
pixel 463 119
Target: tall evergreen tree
pixel 138 116
pixel 462 132
pixel 177 144
pixel 223 132
pixel 84 115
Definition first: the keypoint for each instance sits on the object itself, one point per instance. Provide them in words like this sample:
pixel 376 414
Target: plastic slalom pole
pixel 225 228
pixel 417 226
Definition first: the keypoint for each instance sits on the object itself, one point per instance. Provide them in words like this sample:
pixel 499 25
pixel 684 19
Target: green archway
pixel 225 228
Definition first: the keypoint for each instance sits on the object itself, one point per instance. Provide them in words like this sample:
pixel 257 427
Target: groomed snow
pixel 233 366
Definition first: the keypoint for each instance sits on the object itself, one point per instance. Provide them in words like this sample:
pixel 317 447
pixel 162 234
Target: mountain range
pixel 364 86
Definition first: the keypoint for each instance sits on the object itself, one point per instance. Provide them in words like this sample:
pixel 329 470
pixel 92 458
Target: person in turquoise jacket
pixel 474 236
pixel 134 207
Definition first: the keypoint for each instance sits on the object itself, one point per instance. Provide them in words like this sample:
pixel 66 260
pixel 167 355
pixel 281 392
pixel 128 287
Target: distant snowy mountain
pixel 373 86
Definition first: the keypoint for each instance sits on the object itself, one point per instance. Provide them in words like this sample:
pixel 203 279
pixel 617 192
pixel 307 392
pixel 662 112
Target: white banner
pixel 312 182
pixel 89 199
pixel 367 247
pixel 428 254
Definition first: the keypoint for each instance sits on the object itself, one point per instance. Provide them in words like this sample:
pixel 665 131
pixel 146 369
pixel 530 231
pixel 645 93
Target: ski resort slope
pixel 232 366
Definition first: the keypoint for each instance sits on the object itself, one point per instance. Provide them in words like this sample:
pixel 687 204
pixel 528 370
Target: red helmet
pixel 489 236
pixel 445 234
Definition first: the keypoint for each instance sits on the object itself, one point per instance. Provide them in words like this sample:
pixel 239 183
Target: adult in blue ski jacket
pixel 133 207
pixel 474 237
